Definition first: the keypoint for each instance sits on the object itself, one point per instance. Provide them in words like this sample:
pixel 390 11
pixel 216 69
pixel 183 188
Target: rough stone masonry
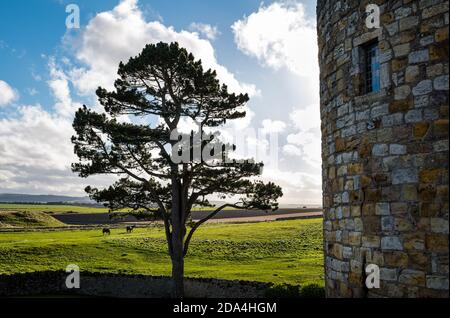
pixel 385 149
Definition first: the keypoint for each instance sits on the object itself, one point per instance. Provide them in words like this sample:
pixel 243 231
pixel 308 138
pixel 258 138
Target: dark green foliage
pixel 312 291
pixel 294 291
pixel 167 83
pixel 283 291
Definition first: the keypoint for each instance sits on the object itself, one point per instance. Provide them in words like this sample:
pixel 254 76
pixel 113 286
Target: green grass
pixel 51 208
pixel 63 208
pixel 279 252
pixel 10 219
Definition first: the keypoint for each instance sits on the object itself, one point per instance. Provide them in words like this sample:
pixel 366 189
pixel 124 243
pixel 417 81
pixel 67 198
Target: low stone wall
pixel 48 283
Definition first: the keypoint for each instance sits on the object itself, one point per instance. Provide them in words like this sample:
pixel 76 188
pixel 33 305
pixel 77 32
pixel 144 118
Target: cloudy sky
pixel 47 71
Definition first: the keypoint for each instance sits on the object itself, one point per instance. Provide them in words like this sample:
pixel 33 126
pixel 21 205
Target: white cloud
pixel 7 94
pixel 185 125
pixel 37 159
pixel 292 150
pixel 293 178
pixel 209 31
pixel 244 122
pixel 32 91
pixel 35 147
pixel 59 86
pixel 239 124
pixel 42 144
pixel 280 35
pixel 307 138
pixel 36 77
pixel 309 150
pixel 36 154
pixel 273 126
pixel 298 187
pixel 116 35
pixel 306 118
pixel 301 138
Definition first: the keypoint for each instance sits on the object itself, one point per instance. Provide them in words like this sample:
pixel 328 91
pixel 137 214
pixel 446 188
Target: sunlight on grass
pixel 282 251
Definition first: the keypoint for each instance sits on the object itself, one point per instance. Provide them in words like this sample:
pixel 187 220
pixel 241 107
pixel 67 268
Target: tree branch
pixel 157 175
pixel 198 223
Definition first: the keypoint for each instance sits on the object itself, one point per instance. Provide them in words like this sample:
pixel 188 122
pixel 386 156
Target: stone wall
pixel 52 283
pixel 385 169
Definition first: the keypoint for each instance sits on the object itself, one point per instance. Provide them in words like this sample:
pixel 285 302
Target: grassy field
pixel 279 252
pixel 51 208
pixel 30 219
pixel 63 208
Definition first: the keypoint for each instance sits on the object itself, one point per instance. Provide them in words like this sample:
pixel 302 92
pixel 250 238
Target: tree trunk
pixel 177 241
pixel 178 273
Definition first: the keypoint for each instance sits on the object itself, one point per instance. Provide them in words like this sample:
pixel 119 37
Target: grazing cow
pixel 106 231
pixel 130 228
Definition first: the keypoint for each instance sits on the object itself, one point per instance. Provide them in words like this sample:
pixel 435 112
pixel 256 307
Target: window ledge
pixel 370 97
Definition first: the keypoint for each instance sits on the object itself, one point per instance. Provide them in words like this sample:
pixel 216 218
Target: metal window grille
pixel 372 67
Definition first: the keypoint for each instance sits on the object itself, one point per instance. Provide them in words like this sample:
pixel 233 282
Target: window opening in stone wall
pixel 371 67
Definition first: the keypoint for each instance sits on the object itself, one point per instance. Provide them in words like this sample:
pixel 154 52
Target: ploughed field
pixel 280 252
pixel 16 216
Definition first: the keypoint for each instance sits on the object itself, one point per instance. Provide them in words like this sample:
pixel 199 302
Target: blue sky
pixel 47 71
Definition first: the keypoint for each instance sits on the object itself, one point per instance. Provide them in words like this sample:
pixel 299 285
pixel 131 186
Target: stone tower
pixel 384 110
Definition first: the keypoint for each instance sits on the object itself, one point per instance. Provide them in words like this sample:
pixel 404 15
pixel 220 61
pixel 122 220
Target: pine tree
pixel 165 82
